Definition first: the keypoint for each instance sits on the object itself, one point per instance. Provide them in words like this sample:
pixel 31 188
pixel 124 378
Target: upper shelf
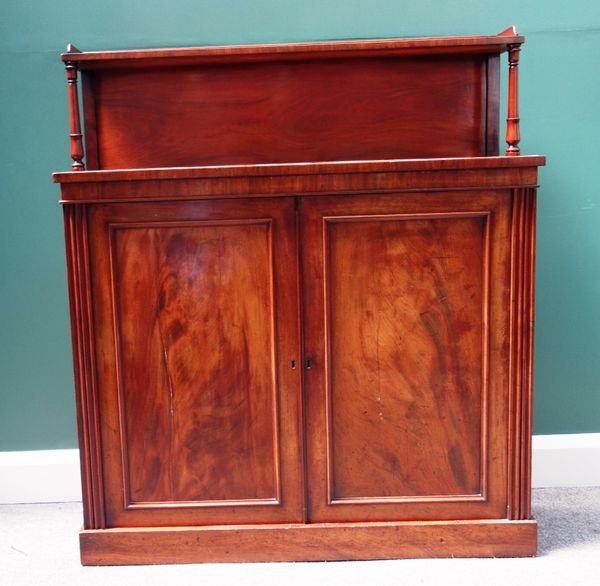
pixel 292 103
pixel 293 51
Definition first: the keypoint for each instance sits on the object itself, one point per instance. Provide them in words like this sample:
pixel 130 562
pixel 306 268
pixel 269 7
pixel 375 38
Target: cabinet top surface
pixel 342 167
pixel 290 51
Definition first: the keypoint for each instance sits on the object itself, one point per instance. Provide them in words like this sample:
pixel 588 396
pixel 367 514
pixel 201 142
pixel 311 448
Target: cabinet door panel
pixel 198 322
pixel 401 406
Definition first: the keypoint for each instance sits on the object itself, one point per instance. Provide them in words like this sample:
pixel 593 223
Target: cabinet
pixel 300 332
pixel 201 304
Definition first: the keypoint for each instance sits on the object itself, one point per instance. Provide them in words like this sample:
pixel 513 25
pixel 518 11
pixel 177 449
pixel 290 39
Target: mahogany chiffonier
pixel 301 291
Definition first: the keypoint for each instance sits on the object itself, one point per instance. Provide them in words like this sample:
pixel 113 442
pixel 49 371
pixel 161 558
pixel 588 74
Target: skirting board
pixel 566 460
pixel 48 476
pixel 41 476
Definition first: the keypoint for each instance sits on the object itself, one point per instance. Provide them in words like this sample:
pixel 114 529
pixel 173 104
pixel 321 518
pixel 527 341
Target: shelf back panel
pixel 365 108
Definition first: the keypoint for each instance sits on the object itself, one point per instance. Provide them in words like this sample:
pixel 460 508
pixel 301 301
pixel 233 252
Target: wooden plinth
pixel 312 542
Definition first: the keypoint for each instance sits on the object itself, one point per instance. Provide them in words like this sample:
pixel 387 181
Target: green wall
pixel 560 97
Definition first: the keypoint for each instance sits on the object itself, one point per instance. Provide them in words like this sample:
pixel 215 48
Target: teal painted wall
pixel 560 108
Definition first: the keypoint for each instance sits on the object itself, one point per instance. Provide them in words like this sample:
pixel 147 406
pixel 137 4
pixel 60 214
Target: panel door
pixel 406 335
pixel 196 324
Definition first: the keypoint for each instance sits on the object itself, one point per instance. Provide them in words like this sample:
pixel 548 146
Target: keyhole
pixel 308 364
pixel 293 364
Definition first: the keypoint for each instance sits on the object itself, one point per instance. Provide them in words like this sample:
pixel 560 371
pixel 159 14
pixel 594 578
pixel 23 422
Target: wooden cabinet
pixel 283 357
pixel 404 399
pixel 196 312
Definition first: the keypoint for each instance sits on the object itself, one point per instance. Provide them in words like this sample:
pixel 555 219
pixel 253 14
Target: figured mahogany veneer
pixel 306 102
pixel 299 336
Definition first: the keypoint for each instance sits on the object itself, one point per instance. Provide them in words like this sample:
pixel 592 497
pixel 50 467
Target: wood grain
pixel 88 98
pixel 513 133
pixel 301 289
pixel 84 367
pixel 291 112
pixel 521 352
pixel 456 164
pixel 195 326
pixel 406 313
pixel 402 291
pixel 306 180
pixel 75 136
pixel 291 51
pixel 201 408
pixel 347 541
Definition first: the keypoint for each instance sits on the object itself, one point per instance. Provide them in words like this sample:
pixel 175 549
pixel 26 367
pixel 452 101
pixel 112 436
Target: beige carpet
pixel 39 546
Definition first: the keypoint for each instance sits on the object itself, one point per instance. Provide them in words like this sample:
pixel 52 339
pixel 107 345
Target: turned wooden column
pixel 76 136
pixel 513 134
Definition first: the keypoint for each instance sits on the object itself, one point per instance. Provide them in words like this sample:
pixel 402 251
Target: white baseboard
pixel 48 476
pixel 43 476
pixel 566 460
